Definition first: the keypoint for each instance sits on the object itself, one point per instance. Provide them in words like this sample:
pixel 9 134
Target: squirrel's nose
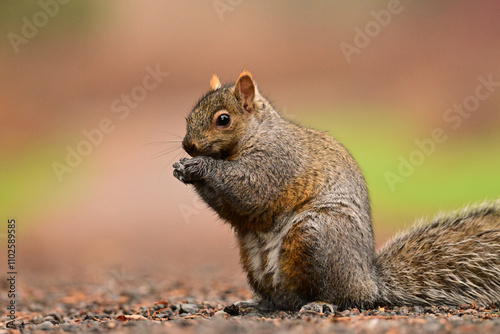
pixel 189 146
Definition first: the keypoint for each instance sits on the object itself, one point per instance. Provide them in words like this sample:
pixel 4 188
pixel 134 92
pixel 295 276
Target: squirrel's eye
pixel 223 120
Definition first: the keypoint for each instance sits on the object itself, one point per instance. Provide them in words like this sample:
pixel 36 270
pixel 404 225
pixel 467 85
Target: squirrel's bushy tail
pixel 453 260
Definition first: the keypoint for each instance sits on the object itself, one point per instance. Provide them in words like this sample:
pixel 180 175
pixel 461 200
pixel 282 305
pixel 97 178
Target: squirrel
pixel 299 206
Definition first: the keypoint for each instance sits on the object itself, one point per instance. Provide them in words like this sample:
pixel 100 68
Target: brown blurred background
pixel 67 69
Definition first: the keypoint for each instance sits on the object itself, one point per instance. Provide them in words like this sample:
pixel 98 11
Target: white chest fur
pixel 263 250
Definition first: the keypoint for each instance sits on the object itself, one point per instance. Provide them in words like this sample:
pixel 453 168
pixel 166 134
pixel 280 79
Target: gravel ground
pixel 146 305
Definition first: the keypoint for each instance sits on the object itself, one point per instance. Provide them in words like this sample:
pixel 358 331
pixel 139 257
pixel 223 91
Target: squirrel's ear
pixel 214 82
pixel 245 90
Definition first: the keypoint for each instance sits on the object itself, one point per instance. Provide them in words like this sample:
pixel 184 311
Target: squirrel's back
pixel 454 259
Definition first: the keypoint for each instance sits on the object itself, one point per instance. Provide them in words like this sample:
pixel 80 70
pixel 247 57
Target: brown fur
pixel 299 206
pixel 294 261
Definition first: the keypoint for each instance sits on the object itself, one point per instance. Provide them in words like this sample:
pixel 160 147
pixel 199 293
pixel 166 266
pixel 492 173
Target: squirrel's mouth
pixel 194 150
pixel 191 148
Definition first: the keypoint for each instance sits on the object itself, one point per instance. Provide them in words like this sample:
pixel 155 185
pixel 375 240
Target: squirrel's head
pixel 218 121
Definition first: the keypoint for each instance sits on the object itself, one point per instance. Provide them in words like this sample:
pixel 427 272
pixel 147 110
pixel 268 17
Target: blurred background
pixel 94 94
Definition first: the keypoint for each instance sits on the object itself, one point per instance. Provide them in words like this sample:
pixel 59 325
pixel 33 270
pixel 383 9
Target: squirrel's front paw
pixel 190 170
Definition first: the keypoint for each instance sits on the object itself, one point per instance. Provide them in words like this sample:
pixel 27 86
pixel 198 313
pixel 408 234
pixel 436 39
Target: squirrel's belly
pixel 260 257
pixel 275 264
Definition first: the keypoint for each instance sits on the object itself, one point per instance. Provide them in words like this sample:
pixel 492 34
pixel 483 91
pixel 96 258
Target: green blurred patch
pixel 77 16
pixel 30 187
pixel 460 171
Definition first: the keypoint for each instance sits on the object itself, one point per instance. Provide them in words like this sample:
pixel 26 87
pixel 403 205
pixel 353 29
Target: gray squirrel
pixel 299 207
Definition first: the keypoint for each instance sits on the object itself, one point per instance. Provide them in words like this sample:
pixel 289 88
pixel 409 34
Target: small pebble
pixel 403 310
pixel 190 300
pixel 36 320
pixel 418 309
pixel 56 317
pixel 69 327
pixel 221 313
pixel 355 312
pixel 188 308
pixel 164 314
pixel 346 313
pixel 45 326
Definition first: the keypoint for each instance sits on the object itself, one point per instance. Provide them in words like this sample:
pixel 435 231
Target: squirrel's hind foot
pixel 319 307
